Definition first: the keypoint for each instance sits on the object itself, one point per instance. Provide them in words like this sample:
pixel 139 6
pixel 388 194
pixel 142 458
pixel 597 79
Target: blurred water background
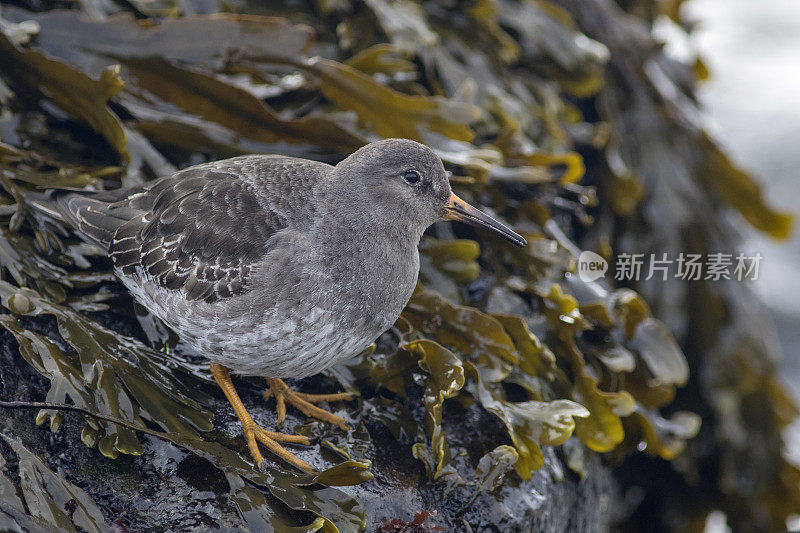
pixel 753 106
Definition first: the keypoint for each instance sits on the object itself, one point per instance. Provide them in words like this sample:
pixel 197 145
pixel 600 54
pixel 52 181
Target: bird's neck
pixel 367 237
pixel 357 221
pixel 374 267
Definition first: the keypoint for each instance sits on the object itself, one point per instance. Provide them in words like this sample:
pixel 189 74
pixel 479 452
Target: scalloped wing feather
pixel 201 233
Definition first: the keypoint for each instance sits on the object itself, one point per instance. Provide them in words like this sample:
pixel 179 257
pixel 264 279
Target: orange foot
pixel 305 402
pixel 254 433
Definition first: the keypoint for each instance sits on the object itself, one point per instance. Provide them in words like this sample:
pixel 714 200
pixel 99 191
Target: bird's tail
pixel 86 212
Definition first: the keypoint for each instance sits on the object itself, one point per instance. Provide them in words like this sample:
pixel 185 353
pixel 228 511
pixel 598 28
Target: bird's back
pixel 203 228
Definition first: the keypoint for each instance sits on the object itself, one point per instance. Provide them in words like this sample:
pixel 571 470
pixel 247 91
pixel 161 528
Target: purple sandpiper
pixel 275 266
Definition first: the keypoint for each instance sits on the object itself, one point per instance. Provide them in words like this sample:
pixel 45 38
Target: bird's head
pixel 405 181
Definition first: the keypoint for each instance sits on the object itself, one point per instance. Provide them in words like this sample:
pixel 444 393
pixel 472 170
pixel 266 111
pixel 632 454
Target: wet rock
pixel 170 488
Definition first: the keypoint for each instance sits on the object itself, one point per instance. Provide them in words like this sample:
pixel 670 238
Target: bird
pixel 275 266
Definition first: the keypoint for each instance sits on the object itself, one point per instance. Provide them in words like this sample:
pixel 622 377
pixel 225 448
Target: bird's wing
pixel 201 230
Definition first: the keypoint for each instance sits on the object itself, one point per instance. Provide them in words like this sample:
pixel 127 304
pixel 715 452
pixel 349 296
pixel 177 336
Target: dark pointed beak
pixel 458 209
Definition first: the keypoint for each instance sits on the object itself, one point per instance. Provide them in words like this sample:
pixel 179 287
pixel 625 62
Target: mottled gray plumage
pixel 272 265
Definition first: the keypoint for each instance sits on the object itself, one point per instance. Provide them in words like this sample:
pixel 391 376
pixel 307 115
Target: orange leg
pixel 255 433
pixel 305 402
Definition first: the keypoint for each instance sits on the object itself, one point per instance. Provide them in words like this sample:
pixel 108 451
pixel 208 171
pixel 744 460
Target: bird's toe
pixel 319 398
pixel 305 403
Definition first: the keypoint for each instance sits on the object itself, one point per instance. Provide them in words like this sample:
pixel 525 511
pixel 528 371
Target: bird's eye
pixel 412 177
